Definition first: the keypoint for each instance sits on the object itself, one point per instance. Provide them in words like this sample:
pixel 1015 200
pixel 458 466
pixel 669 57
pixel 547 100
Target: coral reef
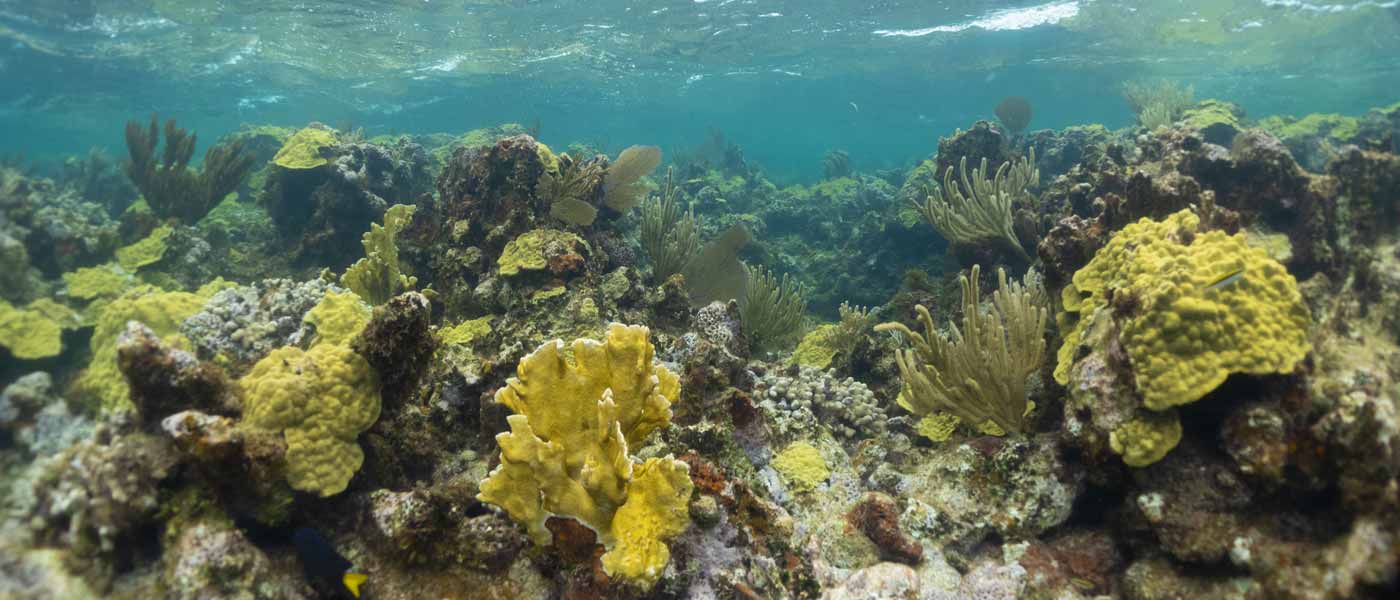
pixel 388 371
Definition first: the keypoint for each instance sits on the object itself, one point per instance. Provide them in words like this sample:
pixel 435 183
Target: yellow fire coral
pixel 802 466
pixel 1192 307
pixel 567 451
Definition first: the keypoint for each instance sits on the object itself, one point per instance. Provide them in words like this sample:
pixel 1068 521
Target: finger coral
pixel 567 453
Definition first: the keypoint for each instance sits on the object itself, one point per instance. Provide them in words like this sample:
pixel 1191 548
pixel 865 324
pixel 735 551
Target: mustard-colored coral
pixel 88 283
pixel 938 426
pixel 163 312
pixel 148 251
pixel 1146 439
pixel 567 451
pixel 466 332
pixel 28 333
pixel 802 465
pixel 818 347
pixel 321 400
pixel 378 276
pixel 528 251
pixel 1194 324
pixel 338 317
pixel 1192 307
pixel 304 150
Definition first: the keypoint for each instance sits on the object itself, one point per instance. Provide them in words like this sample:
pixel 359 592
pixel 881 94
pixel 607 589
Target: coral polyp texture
pixel 320 399
pixel 1200 306
pixel 567 452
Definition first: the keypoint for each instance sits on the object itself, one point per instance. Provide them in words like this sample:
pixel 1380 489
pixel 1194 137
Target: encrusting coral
pixel 978 372
pixel 148 251
pixel 1198 306
pixel 568 449
pixel 304 150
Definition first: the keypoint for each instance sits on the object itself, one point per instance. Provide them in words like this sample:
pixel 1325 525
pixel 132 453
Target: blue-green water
pixel 787 80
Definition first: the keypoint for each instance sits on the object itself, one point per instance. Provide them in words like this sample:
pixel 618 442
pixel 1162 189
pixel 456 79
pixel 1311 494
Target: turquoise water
pixel 786 80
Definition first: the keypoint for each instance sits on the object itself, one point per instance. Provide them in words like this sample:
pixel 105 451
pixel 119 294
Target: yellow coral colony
pixel 1201 305
pixel 320 399
pixel 567 451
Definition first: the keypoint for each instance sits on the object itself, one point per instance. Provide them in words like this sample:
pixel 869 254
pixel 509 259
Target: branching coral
pixel 567 452
pixel 378 276
pixel 980 211
pixel 170 187
pixel 978 372
pixel 622 185
pixel 671 238
pixel 772 310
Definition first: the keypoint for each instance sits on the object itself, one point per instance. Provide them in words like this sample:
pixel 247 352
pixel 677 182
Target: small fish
pixel 855 106
pixel 322 564
pixel 1228 280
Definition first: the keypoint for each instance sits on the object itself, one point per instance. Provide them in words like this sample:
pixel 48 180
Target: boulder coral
pixel 1191 307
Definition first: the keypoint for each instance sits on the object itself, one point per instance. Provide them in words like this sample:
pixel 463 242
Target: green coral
pixel 321 399
pixel 1194 324
pixel 802 465
pixel 1217 120
pixel 1191 307
pixel 378 276
pixel 818 347
pixel 938 426
pixel 528 251
pixel 567 451
pixel 148 251
pixel 1146 439
pixel 1315 126
pixel 306 149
